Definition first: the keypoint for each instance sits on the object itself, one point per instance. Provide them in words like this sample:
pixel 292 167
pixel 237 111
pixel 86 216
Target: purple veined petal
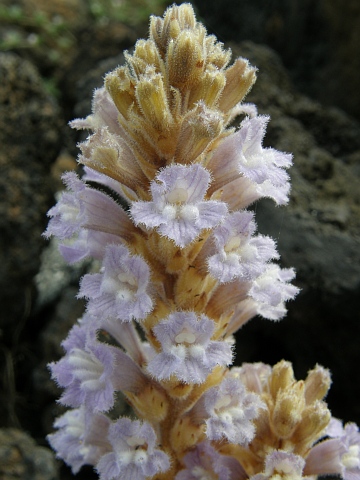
pixel 187 351
pixel 178 208
pixel 205 462
pixel 120 291
pixel 181 183
pixel 231 410
pixel 67 216
pixel 87 370
pixel 134 455
pixel 91 371
pixel 338 455
pixel 81 437
pixel 239 255
pixel 83 207
pixel 242 154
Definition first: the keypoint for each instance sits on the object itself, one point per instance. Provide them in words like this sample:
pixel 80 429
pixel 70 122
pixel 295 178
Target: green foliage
pixel 131 12
pixel 34 31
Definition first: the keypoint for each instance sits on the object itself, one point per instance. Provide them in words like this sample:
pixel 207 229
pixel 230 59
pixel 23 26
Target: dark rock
pixel 30 132
pixel 22 459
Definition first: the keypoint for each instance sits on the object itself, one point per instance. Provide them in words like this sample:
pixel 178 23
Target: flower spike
pixel 177 268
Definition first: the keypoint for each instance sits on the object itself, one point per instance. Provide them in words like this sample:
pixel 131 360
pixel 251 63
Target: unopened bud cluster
pixel 162 208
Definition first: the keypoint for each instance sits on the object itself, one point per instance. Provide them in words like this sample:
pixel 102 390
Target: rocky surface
pixel 22 459
pixel 30 139
pixel 318 233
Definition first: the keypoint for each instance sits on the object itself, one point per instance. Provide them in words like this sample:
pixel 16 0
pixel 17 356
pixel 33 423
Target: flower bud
pixel 151 96
pixel 240 77
pixel 288 409
pixel 315 419
pixel 185 60
pixel 118 83
pixel 282 377
pixel 317 384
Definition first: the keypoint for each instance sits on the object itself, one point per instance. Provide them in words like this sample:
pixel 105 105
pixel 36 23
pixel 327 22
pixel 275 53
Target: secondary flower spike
pixel 161 209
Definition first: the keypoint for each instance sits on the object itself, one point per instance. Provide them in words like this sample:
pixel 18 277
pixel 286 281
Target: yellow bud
pixel 186 16
pixel 176 19
pixel 137 65
pixel 216 55
pixel 151 97
pixel 239 79
pixel 110 155
pixel 317 384
pixel 156 28
pixel 185 59
pixel 288 409
pixel 316 418
pixel 209 87
pixel 282 377
pixel 146 50
pixel 120 86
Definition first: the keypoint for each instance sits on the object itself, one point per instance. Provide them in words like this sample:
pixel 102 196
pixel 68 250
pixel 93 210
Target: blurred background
pixel 52 56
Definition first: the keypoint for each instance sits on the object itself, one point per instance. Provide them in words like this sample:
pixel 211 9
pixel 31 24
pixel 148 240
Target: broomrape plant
pixel 181 269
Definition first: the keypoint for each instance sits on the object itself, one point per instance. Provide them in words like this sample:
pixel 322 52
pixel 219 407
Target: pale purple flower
pixel 83 207
pixel 186 349
pixel 271 290
pixel 86 371
pixel 339 455
pixel 239 254
pixel 231 410
pixel 81 438
pixel 261 170
pixel 350 456
pixel 178 209
pixel 325 458
pixel 204 462
pixel 134 455
pixel 120 290
pixel 282 464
